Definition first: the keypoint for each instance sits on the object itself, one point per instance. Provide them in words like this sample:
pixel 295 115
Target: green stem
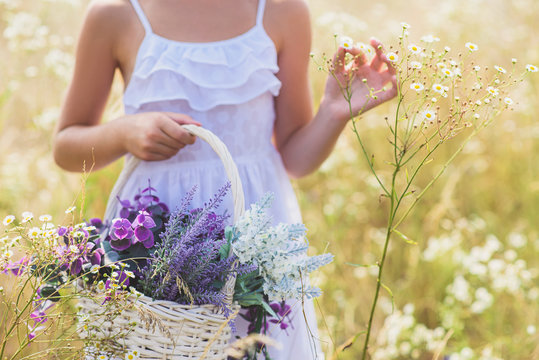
pixel 381 264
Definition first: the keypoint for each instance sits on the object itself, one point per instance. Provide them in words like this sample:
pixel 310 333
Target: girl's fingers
pixel 177 136
pixel 377 61
pixel 338 60
pixel 182 119
pixel 359 56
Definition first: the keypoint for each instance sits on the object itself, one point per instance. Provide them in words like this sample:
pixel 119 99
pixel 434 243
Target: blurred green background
pixel 489 195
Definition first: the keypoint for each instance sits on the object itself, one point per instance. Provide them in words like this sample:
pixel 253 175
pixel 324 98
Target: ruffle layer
pixel 203 74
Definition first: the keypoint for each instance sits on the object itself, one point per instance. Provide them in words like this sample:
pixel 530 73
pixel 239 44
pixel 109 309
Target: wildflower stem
pixel 382 262
pixel 436 177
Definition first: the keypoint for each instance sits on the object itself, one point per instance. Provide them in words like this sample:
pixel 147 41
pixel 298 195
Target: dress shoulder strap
pixel 142 16
pixel 260 11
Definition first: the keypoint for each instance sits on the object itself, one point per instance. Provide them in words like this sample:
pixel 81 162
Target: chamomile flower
pixel 34 232
pixel 447 49
pixel 500 69
pixel 414 49
pixel 27 216
pixel 415 65
pixel 8 220
pixel 477 68
pixel 531 68
pixel 430 39
pixel 45 218
pixel 514 60
pixel 74 249
pixel 391 56
pixel 477 116
pixel 471 46
pixel 70 209
pixel 429 115
pixel 101 286
pixel 508 101
pixel 447 72
pixel 129 274
pixel 417 87
pixel 434 100
pixel 365 48
pixel 441 65
pixel 478 103
pixel 493 91
pixel 439 88
pixel 346 42
pixel 405 26
pixel 130 356
pixel 94 269
pixel 7 254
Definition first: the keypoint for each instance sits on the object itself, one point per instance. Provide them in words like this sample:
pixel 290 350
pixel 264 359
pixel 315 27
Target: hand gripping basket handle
pixel 230 168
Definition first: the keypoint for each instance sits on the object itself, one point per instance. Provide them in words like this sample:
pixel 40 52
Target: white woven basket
pixel 192 332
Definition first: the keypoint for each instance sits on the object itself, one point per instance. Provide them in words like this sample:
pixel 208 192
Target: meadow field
pixel 466 286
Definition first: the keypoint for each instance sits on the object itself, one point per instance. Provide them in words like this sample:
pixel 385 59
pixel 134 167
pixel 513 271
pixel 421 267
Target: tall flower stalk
pixel 441 96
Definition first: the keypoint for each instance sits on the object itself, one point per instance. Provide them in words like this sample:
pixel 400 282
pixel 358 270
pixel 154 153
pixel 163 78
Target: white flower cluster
pixel 280 252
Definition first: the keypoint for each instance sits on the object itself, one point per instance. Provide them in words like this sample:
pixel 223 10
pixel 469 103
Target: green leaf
pixel 269 310
pixel 404 237
pixel 392 298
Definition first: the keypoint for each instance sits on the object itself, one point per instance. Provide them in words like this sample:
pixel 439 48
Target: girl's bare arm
pixel 304 141
pixel 80 137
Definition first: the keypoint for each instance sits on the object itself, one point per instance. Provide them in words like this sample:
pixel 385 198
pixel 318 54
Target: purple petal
pixel 95 258
pixel 96 222
pixel 148 222
pixel 39 317
pixel 120 244
pixel 76 266
pixel 149 242
pixel 124 213
pixel 142 234
pixel 62 230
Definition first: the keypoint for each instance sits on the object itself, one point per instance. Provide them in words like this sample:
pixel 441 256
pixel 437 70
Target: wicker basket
pixel 183 331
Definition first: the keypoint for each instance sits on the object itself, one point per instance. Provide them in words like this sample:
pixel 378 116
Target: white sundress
pixel 229 87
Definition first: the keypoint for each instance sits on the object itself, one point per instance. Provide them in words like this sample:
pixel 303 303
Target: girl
pixel 236 67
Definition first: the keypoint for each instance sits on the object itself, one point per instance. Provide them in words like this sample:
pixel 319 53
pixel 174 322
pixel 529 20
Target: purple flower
pixel 62 230
pixel 283 310
pixel 18 267
pixel 121 234
pixel 142 224
pixel 96 256
pixel 39 317
pixel 76 266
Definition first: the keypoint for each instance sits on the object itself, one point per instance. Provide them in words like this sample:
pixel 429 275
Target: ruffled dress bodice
pixel 229 87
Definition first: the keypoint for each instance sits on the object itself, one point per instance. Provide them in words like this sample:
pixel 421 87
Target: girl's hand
pixel 156 136
pixel 358 78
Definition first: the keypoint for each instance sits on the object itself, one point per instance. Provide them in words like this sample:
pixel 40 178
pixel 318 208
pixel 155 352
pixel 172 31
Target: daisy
pixel 414 49
pixel 391 56
pixel 346 42
pixel 439 88
pixel 447 72
pixel 8 220
pixel 365 48
pixel 429 115
pixel 415 65
pixel 27 216
pixel 45 218
pixel 417 87
pixel 500 69
pixel 531 68
pixel 471 46
pixel 508 101
pixel 430 39
pixel 493 91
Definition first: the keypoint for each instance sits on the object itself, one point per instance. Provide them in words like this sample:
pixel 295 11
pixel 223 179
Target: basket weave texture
pixel 180 331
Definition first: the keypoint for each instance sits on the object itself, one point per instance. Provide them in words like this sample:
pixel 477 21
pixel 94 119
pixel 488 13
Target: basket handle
pixel 220 149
